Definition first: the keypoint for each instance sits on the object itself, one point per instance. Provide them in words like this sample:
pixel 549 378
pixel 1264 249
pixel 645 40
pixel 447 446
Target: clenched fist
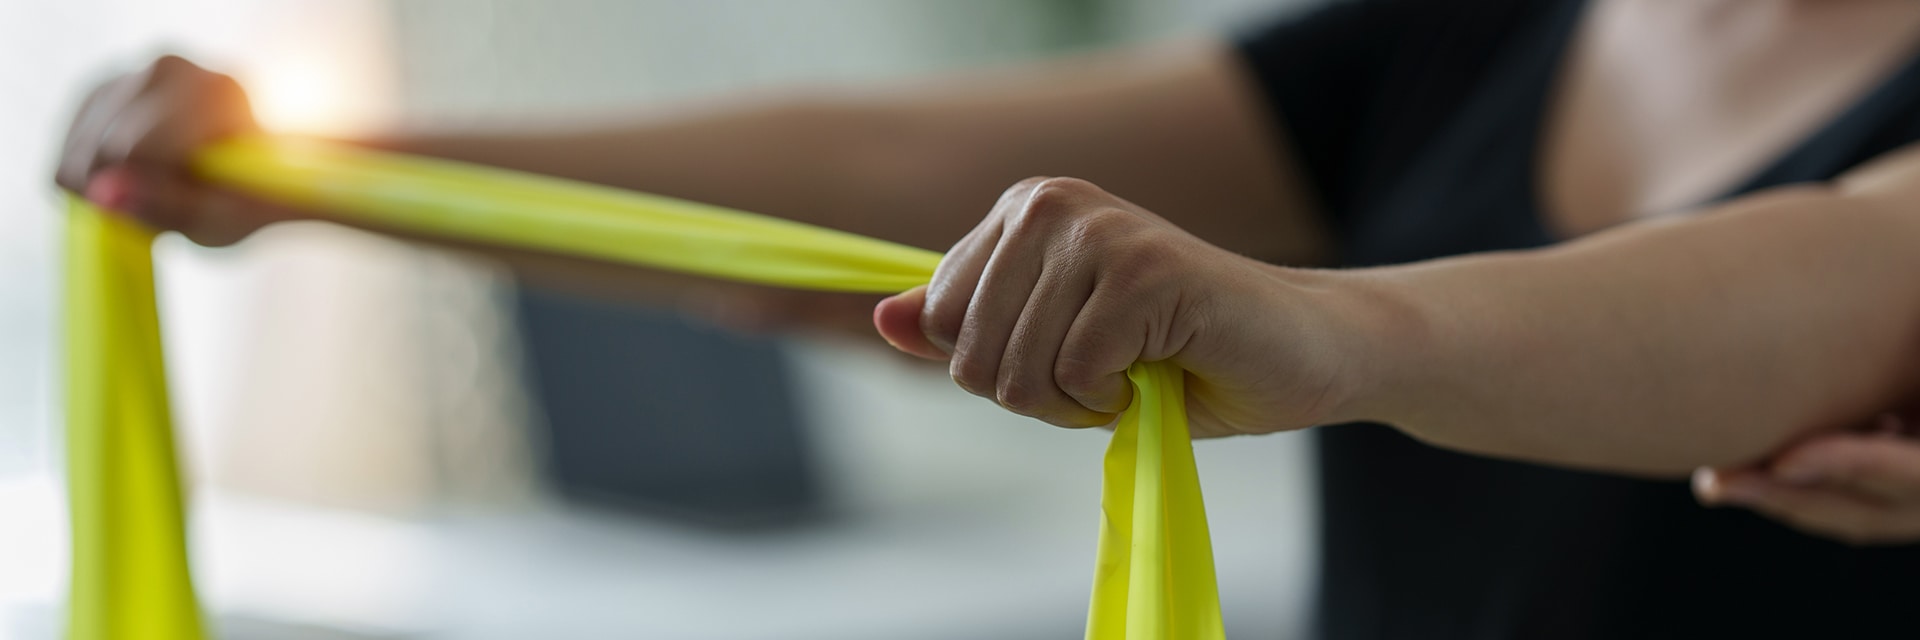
pixel 1042 307
pixel 129 147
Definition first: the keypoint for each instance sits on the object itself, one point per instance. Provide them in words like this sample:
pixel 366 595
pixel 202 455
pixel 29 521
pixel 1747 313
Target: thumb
pixel 166 200
pixel 898 319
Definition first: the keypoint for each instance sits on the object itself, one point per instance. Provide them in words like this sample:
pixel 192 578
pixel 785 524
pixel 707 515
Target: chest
pixel 1660 105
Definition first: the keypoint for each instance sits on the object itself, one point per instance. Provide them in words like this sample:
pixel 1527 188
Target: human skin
pixel 1860 486
pixel 1650 348
pixel 914 164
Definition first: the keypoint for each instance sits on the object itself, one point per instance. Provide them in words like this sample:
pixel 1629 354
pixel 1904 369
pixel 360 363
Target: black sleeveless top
pixel 1417 122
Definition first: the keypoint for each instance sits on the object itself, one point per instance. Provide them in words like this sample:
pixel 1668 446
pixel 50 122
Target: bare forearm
pixel 799 157
pixel 1662 346
pixel 1169 127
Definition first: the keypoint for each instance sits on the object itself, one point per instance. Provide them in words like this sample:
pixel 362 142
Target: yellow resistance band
pixel 1154 578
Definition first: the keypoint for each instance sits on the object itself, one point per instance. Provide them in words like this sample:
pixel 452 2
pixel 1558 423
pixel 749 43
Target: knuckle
pixel 1075 375
pixel 157 73
pixel 1044 201
pixel 972 374
pixel 174 73
pixel 222 90
pixel 1021 396
pixel 1013 199
pixel 1059 193
pixel 169 66
pixel 1100 227
pixel 1024 186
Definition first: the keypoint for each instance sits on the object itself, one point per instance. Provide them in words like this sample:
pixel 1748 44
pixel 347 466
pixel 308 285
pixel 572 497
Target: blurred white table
pixel 1015 569
pixel 955 521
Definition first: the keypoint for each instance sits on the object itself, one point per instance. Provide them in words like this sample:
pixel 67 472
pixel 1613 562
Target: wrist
pixel 1375 333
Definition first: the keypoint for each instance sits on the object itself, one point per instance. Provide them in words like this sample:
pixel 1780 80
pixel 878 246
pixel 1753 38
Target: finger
pixel 957 278
pixel 164 137
pixel 1026 379
pixel 1106 337
pixel 130 112
pixel 1884 466
pixel 954 282
pixel 1832 513
pixel 112 189
pixel 207 215
pixel 1033 215
pixel 132 127
pixel 1006 286
pixel 1706 486
pixel 89 126
pixel 898 320
pixel 1709 484
pixel 225 217
pixel 71 170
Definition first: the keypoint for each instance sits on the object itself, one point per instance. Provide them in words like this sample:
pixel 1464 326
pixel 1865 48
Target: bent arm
pixel 1662 346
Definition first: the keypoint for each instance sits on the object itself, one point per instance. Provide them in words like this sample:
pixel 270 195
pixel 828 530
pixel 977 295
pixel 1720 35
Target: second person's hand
pixel 1860 487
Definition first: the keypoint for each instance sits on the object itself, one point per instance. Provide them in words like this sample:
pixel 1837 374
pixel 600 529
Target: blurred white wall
pixel 310 361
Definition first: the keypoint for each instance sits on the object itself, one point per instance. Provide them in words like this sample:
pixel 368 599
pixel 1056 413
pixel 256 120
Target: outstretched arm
pixel 1172 124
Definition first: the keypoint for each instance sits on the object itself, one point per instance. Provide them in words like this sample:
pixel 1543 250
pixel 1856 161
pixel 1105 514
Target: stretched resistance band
pixel 1154 578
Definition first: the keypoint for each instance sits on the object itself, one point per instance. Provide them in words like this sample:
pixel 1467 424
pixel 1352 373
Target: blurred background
pixel 389 442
